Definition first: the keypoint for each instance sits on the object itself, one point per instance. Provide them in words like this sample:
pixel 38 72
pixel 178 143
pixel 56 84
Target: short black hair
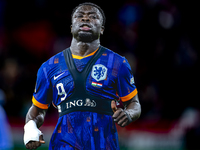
pixel 94 5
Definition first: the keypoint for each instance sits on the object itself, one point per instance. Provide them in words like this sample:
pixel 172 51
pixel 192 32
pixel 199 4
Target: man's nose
pixel 85 19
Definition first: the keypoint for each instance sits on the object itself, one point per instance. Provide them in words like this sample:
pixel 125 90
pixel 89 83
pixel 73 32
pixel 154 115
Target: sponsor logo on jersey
pixel 79 103
pixel 99 72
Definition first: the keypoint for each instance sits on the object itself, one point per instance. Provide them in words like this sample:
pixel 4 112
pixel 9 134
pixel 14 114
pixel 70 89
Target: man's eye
pixel 93 16
pixel 79 16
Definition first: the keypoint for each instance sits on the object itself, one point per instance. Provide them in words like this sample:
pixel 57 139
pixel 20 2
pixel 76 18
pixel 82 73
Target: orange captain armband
pixel 39 105
pixel 129 96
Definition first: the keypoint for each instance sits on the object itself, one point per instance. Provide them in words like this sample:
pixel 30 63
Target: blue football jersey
pixel 110 78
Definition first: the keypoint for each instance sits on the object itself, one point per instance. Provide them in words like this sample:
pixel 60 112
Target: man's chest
pixel 101 78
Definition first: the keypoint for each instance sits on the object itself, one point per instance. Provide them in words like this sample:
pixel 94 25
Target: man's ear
pixel 71 28
pixel 102 29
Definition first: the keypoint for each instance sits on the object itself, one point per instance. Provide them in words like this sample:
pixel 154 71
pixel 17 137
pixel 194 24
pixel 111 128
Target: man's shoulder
pixel 53 62
pixel 111 53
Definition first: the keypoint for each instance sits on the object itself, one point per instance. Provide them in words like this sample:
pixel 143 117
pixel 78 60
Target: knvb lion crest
pixel 99 72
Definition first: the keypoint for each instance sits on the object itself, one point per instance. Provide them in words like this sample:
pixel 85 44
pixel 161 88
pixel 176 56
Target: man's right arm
pixel 33 137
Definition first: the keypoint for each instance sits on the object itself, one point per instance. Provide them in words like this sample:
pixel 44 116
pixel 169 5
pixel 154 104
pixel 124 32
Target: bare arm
pixel 36 114
pixel 133 108
pixel 130 113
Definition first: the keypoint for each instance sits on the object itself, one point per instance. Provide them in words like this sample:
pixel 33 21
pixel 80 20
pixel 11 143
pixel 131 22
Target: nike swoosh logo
pixel 56 77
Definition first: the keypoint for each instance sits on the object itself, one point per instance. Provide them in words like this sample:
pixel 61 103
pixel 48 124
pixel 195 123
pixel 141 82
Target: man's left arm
pixel 130 113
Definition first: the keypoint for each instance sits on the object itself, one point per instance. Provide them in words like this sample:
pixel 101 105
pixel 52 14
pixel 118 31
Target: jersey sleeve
pixel 43 92
pixel 126 88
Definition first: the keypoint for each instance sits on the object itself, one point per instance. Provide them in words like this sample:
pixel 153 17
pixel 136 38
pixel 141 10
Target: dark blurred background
pixel 160 38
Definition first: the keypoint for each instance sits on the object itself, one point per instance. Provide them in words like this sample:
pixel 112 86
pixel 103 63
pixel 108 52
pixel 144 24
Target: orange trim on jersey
pixel 38 104
pixel 129 96
pixel 80 57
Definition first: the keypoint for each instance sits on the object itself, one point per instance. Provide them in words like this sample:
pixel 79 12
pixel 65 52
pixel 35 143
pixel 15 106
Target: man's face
pixel 87 24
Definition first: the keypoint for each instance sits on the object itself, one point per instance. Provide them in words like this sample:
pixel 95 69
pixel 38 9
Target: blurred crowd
pixel 160 39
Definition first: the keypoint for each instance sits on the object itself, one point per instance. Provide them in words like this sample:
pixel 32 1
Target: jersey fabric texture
pixel 110 78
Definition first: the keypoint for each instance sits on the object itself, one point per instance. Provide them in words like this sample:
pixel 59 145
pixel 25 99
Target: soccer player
pixel 83 82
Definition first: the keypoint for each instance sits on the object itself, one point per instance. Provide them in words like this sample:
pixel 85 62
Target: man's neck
pixel 83 49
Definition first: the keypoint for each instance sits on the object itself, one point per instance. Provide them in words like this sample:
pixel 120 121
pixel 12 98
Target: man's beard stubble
pixel 86 37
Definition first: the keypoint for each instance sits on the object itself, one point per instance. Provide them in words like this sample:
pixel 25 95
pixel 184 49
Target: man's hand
pixel 120 116
pixel 33 137
pixel 35 144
